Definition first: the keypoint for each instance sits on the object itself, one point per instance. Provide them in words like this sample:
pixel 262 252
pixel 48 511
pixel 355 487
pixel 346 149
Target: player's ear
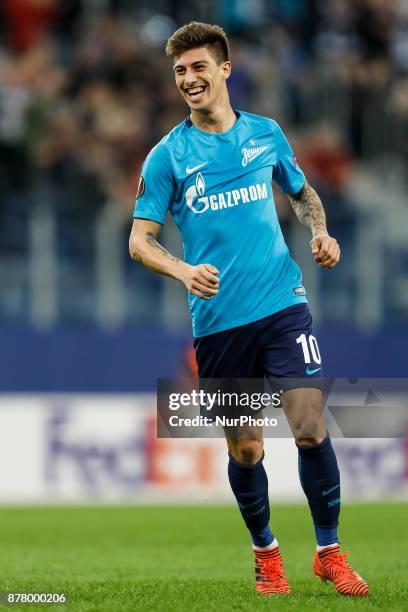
pixel 227 67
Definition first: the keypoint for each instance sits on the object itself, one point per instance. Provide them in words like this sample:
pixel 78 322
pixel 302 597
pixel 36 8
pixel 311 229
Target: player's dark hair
pixel 194 35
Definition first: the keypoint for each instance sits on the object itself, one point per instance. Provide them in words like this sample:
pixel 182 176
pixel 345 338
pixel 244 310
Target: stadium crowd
pixel 83 97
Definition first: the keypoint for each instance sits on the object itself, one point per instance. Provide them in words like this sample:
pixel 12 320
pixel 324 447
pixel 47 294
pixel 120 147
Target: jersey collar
pixel 190 124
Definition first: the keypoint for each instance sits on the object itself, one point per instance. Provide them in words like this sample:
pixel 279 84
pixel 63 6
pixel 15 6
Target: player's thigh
pixel 230 366
pixel 304 409
pixel 233 353
pixel 293 363
pixel 291 352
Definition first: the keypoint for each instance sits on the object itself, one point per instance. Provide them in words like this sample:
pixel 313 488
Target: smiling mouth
pixel 195 92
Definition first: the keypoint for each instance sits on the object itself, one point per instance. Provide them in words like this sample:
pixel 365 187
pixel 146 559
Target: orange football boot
pixel 269 573
pixel 330 564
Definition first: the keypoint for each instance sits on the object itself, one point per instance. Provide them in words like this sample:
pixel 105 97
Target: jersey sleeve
pixel 156 186
pixel 286 173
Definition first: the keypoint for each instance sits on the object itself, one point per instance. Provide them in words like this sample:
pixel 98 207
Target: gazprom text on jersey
pixel 232 198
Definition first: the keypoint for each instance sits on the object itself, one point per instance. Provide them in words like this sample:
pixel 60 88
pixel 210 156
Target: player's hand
pixel 326 251
pixel 202 281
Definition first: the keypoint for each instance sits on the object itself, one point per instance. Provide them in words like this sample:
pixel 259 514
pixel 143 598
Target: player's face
pixel 199 78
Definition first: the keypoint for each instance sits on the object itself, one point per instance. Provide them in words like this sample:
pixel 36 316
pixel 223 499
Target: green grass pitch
pixel 192 558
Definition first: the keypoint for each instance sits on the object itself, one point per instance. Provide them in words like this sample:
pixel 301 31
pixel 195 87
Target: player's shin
pixel 320 479
pixel 249 484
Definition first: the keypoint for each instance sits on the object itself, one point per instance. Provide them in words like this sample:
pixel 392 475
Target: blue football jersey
pixel 218 188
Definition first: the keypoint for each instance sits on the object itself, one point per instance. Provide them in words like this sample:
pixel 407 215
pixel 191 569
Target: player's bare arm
pixel 144 248
pixel 310 212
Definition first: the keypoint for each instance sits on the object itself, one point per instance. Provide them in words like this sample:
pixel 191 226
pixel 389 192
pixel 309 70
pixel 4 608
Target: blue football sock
pixel 320 480
pixel 249 484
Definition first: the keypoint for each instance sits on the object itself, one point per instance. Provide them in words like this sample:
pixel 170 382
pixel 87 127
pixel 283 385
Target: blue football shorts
pixel 281 348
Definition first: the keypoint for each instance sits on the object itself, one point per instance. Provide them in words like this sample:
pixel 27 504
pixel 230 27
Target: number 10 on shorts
pixel 309 346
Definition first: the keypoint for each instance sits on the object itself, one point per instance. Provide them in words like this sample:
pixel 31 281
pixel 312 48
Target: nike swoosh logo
pixel 190 170
pixel 309 372
pixel 324 493
pixel 243 506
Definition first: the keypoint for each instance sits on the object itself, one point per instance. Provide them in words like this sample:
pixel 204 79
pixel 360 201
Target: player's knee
pixel 307 423
pixel 309 431
pixel 246 450
pixel 309 441
pixel 309 427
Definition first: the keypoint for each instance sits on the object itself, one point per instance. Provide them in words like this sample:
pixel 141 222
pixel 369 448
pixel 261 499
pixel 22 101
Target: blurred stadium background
pixel 85 92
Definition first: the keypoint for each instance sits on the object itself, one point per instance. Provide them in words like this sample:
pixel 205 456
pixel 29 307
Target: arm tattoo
pixel 150 239
pixel 309 209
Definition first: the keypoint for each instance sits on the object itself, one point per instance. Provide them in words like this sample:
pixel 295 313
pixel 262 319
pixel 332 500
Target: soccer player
pixel 250 317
